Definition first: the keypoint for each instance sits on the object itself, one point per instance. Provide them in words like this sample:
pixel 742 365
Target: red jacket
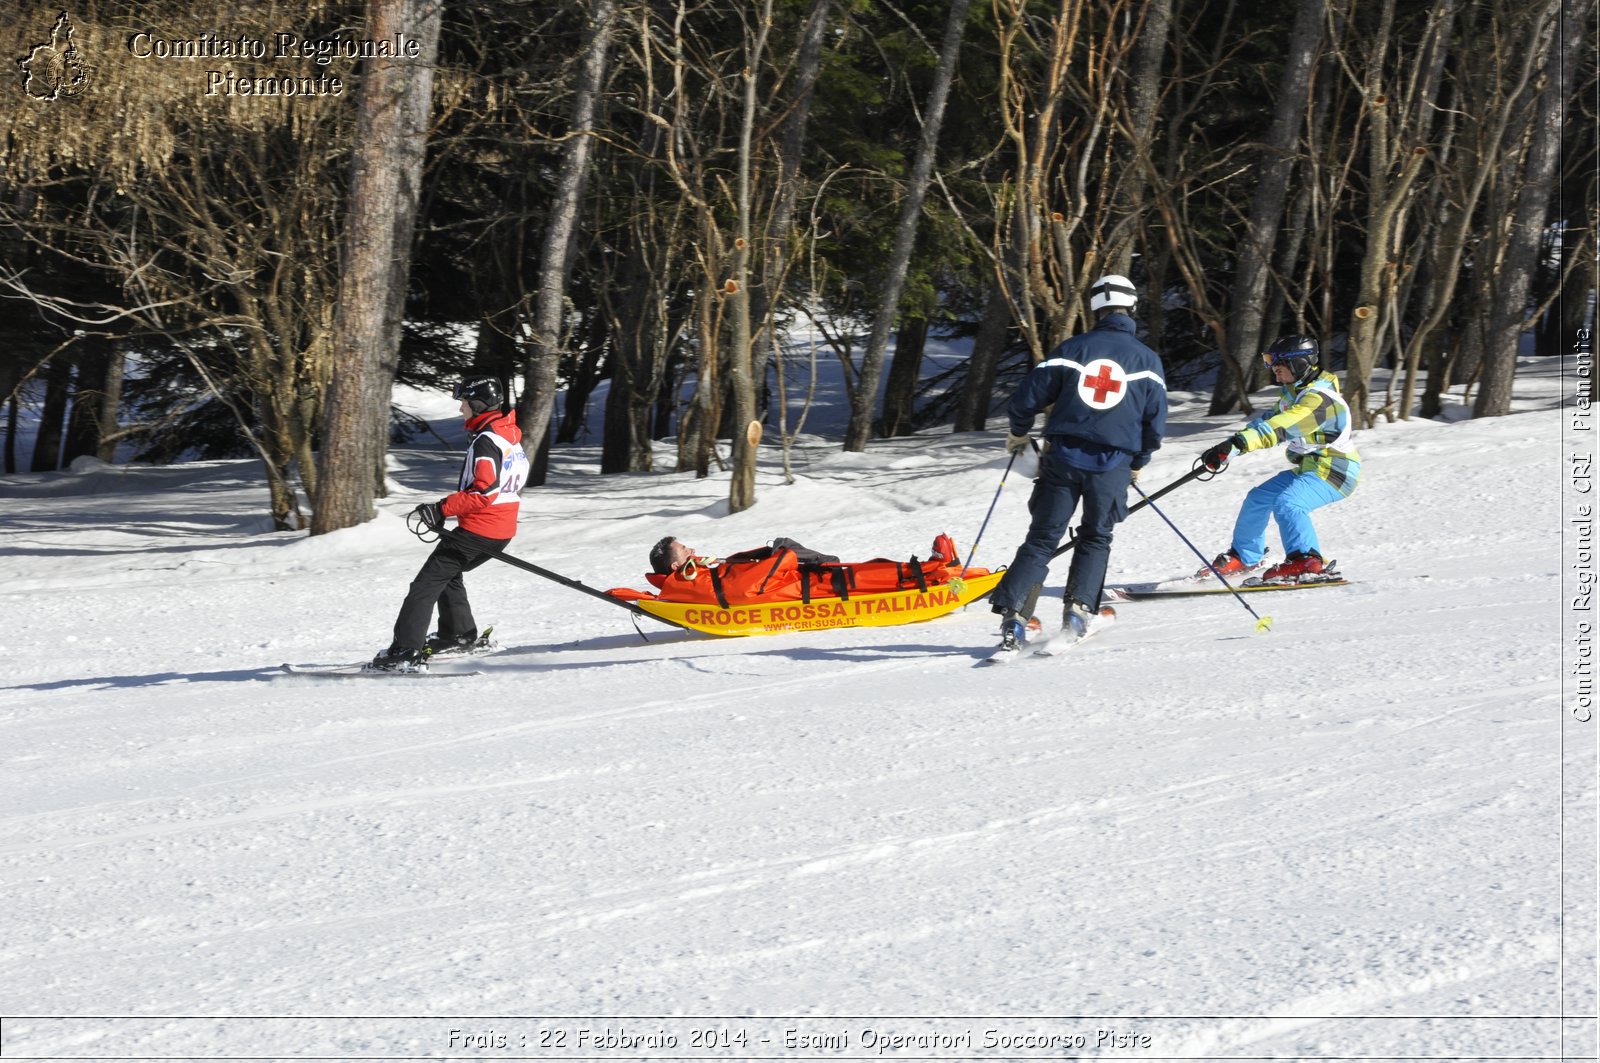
pixel 492 476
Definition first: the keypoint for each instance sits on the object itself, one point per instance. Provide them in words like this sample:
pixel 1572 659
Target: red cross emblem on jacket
pixel 1102 384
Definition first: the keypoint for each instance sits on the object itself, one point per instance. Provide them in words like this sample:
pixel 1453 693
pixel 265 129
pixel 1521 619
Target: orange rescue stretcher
pixel 780 592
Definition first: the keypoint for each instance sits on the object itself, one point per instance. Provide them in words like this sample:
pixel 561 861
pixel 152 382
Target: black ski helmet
pixel 483 392
pixel 1299 353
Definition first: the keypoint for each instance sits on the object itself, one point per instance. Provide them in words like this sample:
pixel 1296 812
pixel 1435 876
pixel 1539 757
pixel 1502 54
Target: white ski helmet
pixel 1112 290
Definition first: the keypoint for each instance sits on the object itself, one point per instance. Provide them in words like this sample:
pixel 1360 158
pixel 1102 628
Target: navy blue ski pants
pixel 1056 495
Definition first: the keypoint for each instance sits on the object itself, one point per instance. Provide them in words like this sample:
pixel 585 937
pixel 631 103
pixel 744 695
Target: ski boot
pixel 398 659
pixel 1081 621
pixel 1013 632
pixel 1299 567
pixel 1228 565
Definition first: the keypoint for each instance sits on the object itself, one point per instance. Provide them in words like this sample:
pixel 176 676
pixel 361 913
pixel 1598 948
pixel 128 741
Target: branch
pixel 61 306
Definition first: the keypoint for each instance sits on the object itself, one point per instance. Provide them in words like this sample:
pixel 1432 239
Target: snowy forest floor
pixel 1368 833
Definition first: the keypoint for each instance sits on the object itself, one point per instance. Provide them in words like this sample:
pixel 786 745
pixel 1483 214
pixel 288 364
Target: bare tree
pixel 864 398
pixel 781 253
pixel 1140 108
pixel 741 353
pixel 1041 209
pixel 644 297
pixel 206 224
pixel 555 261
pixel 1488 94
pixel 1392 107
pixel 395 99
pixel 1524 237
pixel 1247 303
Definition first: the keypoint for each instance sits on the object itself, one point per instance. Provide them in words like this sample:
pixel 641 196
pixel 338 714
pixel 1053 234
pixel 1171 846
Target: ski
pixel 1003 656
pixel 1065 639
pixel 483 644
pixel 362 671
pixel 477 648
pixel 1054 646
pixel 1187 587
pixel 1329 576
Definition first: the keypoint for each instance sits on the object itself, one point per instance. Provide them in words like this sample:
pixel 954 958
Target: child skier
pixel 1313 418
pixel 485 507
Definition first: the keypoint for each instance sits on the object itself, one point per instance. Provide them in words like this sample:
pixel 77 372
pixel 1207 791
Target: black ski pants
pixel 439 583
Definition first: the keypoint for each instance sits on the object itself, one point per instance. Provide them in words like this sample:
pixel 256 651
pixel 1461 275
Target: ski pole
pixel 1263 623
pixel 583 588
pixel 989 514
pixel 1199 472
pixel 421 531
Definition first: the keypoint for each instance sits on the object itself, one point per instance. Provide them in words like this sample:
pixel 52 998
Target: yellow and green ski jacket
pixel 1315 421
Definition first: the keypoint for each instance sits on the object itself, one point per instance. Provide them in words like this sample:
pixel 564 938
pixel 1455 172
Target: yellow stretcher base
pixel 859 610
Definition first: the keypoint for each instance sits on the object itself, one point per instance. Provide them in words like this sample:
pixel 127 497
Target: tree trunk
pixel 279 448
pixel 625 430
pixel 394 100
pixel 1278 301
pixel 88 386
pixel 865 396
pixel 1131 199
pixel 777 257
pixel 555 261
pixel 791 150
pixel 1386 195
pixel 111 402
pixel 746 430
pixel 1376 284
pixel 1509 311
pixel 53 417
pixel 697 433
pixel 1247 306
pixel 585 377
pixel 11 433
pixel 900 390
pixel 977 393
pixel 640 338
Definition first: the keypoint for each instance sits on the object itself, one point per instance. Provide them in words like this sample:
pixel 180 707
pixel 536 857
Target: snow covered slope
pixel 1366 833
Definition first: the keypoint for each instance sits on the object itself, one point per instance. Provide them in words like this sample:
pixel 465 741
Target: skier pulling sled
pixel 485 505
pixel 1107 398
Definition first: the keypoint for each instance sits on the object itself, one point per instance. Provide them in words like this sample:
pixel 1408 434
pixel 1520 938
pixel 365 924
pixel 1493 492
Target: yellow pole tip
pixel 1264 624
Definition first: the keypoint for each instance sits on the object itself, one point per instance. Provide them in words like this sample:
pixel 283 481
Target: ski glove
pixel 1133 475
pixel 431 516
pixel 1016 444
pixel 1216 457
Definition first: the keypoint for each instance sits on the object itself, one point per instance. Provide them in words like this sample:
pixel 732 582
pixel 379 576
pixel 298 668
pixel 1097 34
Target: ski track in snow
pixel 1339 837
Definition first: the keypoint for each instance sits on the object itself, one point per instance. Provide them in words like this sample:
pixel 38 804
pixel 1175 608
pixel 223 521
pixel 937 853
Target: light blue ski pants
pixel 1288 498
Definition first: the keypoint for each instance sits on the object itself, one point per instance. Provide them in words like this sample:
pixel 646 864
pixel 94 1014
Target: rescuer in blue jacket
pixel 1109 398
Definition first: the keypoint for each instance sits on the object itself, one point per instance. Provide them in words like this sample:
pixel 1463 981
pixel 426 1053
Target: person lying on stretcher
pixel 785 569
pixel 669 555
